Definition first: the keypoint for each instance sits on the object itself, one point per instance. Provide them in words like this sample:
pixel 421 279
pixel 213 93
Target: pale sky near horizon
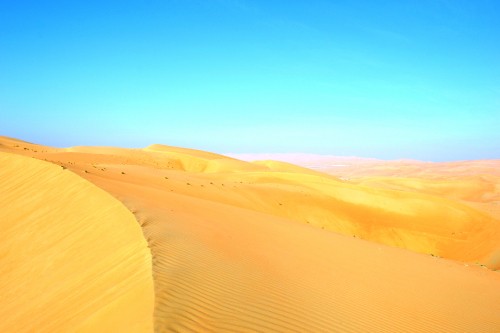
pixel 385 79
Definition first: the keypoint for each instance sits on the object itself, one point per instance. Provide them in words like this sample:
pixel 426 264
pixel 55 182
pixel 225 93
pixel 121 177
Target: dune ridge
pixel 72 257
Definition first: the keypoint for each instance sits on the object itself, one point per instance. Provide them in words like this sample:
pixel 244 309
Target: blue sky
pixel 387 79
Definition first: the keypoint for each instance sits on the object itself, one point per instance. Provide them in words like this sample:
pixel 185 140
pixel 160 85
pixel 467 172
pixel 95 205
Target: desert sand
pixel 239 246
pixel 73 258
pixel 474 183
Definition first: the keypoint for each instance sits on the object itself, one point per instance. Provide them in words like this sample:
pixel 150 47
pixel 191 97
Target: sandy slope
pixel 223 268
pixel 72 258
pixel 247 247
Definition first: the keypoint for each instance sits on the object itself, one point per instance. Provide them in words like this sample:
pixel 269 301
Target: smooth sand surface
pixel 72 257
pixel 263 247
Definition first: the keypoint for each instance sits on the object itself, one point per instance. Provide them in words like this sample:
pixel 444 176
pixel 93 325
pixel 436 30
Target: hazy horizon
pixel 392 80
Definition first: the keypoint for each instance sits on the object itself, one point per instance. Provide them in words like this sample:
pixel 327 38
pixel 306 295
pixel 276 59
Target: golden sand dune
pixel 245 247
pixel 72 258
pixel 471 181
pixel 218 268
pixel 475 184
pixel 355 167
pixel 385 215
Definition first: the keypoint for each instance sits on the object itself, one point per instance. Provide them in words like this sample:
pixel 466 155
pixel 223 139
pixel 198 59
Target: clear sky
pixel 389 79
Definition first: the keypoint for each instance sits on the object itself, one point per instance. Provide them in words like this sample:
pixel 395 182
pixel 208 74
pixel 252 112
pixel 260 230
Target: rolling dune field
pixel 239 246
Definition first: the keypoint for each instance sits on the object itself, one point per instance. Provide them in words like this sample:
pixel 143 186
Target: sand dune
pixel 268 246
pixel 475 184
pixel 72 257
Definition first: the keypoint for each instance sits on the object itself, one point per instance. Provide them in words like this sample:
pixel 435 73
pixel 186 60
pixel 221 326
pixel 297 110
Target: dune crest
pixel 73 258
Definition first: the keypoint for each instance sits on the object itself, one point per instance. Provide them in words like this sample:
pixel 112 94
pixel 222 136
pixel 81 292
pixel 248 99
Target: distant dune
pixel 474 183
pixel 251 246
